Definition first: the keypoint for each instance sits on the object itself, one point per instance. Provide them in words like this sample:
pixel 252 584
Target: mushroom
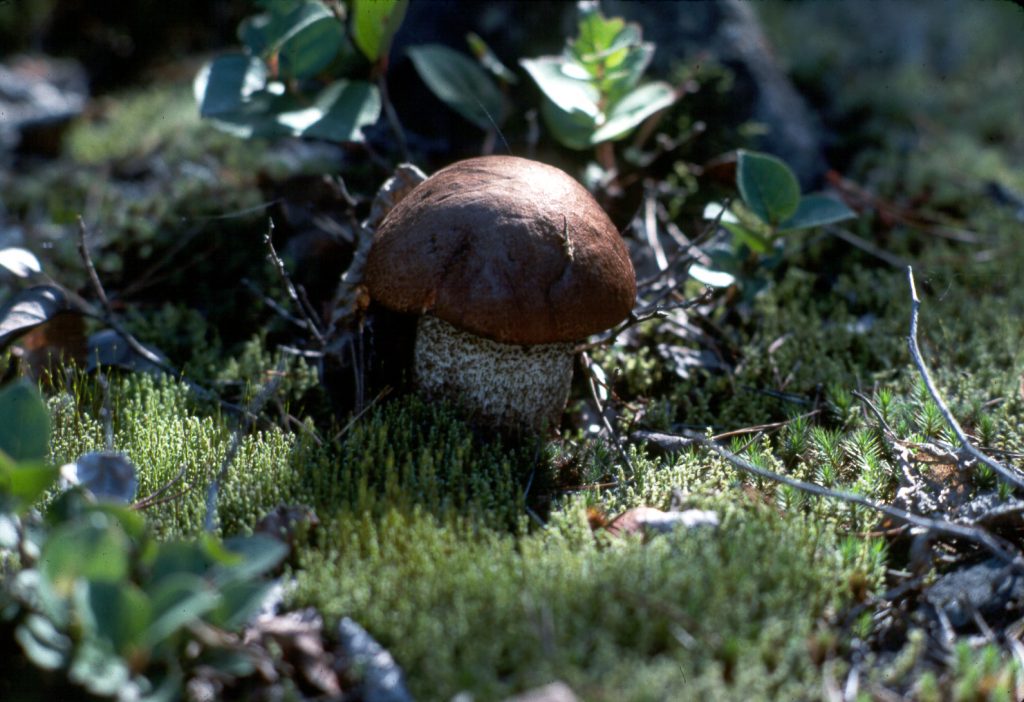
pixel 510 262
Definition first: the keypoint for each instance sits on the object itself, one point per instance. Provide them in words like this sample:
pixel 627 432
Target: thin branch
pixel 644 314
pixel 94 278
pixel 236 442
pixel 107 314
pixel 311 324
pixel 875 411
pixel 866 246
pixel 588 365
pixel 1007 474
pixel 392 116
pixel 760 428
pixel 1005 550
pixel 273 304
pixel 358 415
pixel 154 498
pixel 650 228
pixel 687 252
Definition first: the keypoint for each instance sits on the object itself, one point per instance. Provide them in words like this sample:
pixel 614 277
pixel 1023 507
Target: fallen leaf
pixel 647 520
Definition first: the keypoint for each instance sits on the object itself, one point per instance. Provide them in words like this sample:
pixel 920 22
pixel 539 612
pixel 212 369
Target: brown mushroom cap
pixel 505 248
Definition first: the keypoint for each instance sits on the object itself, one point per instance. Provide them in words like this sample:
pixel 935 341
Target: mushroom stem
pixel 506 385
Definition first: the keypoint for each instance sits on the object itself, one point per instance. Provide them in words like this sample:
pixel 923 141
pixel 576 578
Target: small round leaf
pixel 768 186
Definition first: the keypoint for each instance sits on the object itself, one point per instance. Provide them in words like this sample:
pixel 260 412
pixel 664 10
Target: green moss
pixel 724 613
pixel 156 424
pixel 132 125
pixel 412 456
pixel 405 456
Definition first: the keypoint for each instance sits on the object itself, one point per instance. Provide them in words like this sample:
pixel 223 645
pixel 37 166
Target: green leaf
pixel 633 109
pixel 96 550
pixel 257 32
pixel 175 557
pixel 312 49
pixel 109 476
pixel 30 586
pixel 564 84
pixel 374 24
pixel 28 309
pixel 339 113
pixel 711 278
pixel 284 27
pixel 20 262
pixel 217 553
pixel 815 211
pixel 751 239
pixel 119 613
pixel 239 602
pixel 768 186
pixel 571 129
pixel 489 60
pixel 597 36
pixel 178 600
pixel 24 422
pixel 224 86
pixel 626 75
pixel 167 687
pixel 260 554
pixel 460 83
pixel 25 483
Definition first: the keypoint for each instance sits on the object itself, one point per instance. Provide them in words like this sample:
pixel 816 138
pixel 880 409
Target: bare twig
pixel 866 246
pixel 107 316
pixel 588 366
pixel 644 314
pixel 760 428
pixel 392 116
pixel 877 412
pixel 688 253
pixel 651 228
pixel 236 442
pixel 273 304
pixel 1001 548
pixel 1011 476
pixel 310 323
pixel 94 278
pixel 359 414
pixel 155 498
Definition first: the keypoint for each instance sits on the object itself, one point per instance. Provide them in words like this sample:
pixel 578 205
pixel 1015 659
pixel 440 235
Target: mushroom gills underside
pixel 506 385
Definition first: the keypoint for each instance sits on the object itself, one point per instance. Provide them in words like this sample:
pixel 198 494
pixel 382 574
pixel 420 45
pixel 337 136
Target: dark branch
pixel 1011 476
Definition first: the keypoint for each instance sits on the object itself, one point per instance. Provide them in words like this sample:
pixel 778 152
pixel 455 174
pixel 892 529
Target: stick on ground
pixel 1009 475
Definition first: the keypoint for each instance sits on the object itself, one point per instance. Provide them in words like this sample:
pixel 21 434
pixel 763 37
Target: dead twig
pixel 877 412
pixel 155 498
pixel 108 317
pixel 866 246
pixel 1007 474
pixel 761 428
pixel 309 322
pixel 687 253
pixel 239 434
pixel 392 116
pixel 359 414
pixel 644 314
pixel 999 547
pixel 588 366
